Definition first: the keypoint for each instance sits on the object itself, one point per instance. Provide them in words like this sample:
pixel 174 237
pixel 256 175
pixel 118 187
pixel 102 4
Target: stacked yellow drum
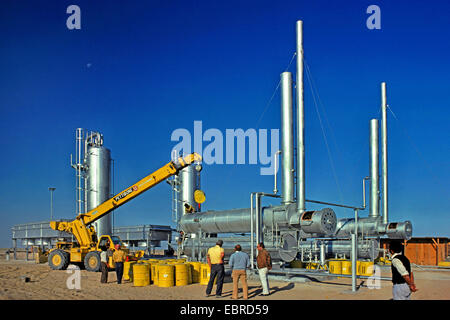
pixel 366 268
pixel 166 275
pixel 195 270
pixel 205 273
pixel 335 266
pixel 128 270
pixel 141 274
pixel 182 274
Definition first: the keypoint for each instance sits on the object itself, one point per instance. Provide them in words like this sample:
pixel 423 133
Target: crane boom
pixel 80 227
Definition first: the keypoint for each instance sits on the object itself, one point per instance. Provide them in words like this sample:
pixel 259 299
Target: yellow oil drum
pixel 195 269
pixel 312 266
pixel 296 264
pixel 128 270
pixel 366 268
pixel 141 274
pixel 205 273
pixel 154 273
pixel 181 274
pixel 444 264
pixel 169 260
pixel 189 267
pixel 346 267
pixel 335 266
pixel 166 275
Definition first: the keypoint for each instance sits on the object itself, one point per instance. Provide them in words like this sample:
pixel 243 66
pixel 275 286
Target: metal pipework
pixel 384 152
pixel 239 220
pixel 354 256
pixel 374 170
pixel 323 249
pixel 287 140
pixel 300 123
pixel 275 156
pixel 374 227
pixel 366 249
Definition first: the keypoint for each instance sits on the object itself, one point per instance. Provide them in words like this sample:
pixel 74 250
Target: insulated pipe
pixel 384 152
pixel 300 123
pixel 374 170
pixel 287 140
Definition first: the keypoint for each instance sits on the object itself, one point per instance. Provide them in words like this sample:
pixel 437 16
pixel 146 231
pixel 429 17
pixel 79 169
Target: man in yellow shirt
pixel 215 261
pixel 119 257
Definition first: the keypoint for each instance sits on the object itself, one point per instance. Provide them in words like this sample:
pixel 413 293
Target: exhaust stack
pixel 384 152
pixel 287 139
pixel 300 123
pixel 374 170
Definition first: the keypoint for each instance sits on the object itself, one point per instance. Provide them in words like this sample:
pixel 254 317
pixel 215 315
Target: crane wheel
pixel 58 259
pixel 92 261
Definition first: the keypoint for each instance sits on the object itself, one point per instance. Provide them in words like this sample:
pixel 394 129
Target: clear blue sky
pixel 138 70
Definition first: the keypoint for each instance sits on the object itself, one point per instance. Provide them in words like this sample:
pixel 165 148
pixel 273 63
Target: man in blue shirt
pixel 239 262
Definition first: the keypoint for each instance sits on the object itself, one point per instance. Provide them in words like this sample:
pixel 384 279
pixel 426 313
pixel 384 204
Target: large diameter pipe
pixel 374 170
pixel 384 152
pixel 300 122
pixel 287 140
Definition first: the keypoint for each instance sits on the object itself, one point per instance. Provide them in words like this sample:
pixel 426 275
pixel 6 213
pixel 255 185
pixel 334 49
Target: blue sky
pixel 136 71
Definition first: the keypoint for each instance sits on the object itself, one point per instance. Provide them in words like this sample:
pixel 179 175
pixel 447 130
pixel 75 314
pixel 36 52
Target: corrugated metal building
pixel 427 251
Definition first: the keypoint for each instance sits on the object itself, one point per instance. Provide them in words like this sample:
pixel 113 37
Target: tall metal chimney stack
pixel 300 122
pixel 374 170
pixel 384 152
pixel 287 140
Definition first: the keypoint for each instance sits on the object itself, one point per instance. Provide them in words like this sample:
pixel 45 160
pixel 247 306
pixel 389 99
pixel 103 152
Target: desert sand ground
pixel 50 284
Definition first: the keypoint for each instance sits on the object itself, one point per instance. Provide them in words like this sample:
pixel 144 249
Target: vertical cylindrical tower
pixel 374 170
pixel 188 186
pixel 287 140
pixel 98 161
pixel 300 123
pixel 384 152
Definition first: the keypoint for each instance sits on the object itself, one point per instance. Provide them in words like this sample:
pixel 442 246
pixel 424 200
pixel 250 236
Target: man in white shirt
pixel 402 277
pixel 104 265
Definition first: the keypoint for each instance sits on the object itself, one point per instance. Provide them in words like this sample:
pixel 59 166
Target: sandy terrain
pixel 50 284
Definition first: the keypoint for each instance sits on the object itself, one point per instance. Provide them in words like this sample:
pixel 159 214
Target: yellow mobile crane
pixel 87 247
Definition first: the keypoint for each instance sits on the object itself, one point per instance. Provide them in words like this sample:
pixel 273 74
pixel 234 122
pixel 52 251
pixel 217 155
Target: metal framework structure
pixel 40 234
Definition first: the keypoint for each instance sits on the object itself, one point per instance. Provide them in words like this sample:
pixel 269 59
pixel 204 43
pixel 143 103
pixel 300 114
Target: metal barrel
pixel 195 267
pixel 128 270
pixel 366 268
pixel 166 277
pixel 182 274
pixel 154 273
pixel 141 274
pixel 335 266
pixel 205 273
pixel 346 266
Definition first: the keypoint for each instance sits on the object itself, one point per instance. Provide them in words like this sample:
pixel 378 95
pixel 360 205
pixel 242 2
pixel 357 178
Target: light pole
pixel 51 202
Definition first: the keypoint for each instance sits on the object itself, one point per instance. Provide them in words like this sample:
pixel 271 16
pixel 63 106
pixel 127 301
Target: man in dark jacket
pixel 402 277
pixel 264 264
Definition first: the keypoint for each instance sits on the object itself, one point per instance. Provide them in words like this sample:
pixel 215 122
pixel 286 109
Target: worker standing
pixel 104 265
pixel 119 257
pixel 239 262
pixel 215 261
pixel 264 264
pixel 402 277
